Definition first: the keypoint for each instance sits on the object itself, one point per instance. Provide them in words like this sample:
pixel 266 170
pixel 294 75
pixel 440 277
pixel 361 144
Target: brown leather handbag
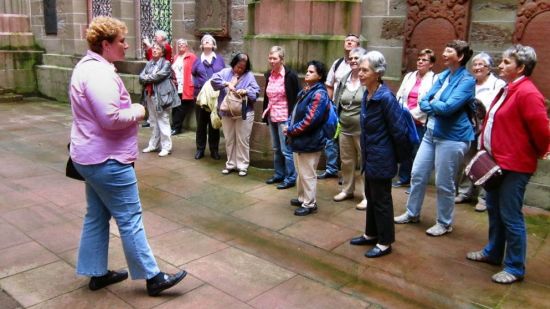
pixel 484 171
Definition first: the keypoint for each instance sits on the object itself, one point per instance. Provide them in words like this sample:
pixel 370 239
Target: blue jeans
pixel 405 168
pixel 111 190
pixel 507 233
pixel 331 152
pixel 282 156
pixel 445 157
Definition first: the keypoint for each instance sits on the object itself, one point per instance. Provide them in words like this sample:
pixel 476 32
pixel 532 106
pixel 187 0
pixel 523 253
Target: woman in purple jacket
pixel 212 63
pixel 236 130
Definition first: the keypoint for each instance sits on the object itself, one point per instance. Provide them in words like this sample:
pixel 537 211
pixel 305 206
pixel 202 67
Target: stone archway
pixel 532 25
pixel 432 24
pixel 432 33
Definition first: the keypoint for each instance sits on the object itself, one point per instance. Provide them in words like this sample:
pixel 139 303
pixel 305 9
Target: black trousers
pixel 179 113
pixel 205 131
pixel 379 222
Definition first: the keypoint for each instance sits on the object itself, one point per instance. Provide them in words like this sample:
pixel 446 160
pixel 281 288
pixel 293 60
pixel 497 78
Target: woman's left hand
pixel 241 92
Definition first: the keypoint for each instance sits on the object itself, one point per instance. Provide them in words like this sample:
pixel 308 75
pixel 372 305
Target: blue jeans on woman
pixel 111 190
pixel 507 233
pixel 445 156
pixel 282 156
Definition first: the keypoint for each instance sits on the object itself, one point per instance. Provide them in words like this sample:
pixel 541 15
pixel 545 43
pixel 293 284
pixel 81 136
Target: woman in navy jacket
pixel 305 135
pixel 446 140
pixel 384 139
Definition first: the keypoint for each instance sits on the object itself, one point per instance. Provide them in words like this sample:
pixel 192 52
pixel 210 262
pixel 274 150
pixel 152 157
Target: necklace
pixel 347 105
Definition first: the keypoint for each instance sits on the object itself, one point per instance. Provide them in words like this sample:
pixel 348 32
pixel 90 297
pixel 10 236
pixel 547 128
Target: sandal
pixel 505 277
pixel 243 173
pixel 478 256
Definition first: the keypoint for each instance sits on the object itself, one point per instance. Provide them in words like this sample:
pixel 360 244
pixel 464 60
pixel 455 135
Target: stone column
pixel 307 29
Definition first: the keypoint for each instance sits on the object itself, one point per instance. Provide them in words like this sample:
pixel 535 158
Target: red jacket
pixel 188 85
pixel 521 131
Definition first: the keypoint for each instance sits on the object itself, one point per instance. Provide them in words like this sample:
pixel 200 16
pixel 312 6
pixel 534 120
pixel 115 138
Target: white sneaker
pixel 149 149
pixel 405 218
pixel 164 153
pixel 342 196
pixel 362 205
pixel 439 230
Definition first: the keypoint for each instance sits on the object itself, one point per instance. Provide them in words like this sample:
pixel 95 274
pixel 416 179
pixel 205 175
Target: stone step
pixel 10 97
pixel 14 23
pixel 16 40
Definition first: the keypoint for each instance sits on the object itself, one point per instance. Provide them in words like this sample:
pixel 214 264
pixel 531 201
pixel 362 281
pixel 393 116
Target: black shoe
pixel 199 154
pixel 285 185
pixel 295 202
pixel 304 211
pixel 377 252
pixel 215 155
pixel 145 125
pixel 163 281
pixel 111 277
pixel 362 241
pixel 326 175
pixel 273 180
pixel 399 183
pixel 175 132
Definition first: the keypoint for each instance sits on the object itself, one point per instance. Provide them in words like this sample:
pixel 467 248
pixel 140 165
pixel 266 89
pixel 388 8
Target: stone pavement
pixel 236 236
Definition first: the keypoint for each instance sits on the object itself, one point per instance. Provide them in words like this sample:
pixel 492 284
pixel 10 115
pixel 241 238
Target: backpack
pixel 331 124
pixel 411 126
pixel 476 112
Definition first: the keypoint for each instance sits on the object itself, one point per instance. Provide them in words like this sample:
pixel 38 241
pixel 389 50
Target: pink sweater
pixel 104 125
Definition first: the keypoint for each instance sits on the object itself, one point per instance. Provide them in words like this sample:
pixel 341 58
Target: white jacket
pixel 406 87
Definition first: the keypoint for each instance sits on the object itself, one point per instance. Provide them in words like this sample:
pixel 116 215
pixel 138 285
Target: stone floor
pixel 236 236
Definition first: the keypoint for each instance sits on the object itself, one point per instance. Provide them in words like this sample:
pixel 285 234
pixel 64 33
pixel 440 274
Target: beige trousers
pixel 306 165
pixel 237 141
pixel 350 155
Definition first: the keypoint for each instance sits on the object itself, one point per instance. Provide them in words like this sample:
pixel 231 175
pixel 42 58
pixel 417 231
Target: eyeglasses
pixel 354 58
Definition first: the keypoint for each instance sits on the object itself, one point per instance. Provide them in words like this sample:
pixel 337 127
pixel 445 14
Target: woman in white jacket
pixel 414 86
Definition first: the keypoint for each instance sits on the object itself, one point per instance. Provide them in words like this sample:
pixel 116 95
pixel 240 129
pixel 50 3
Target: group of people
pixel 373 136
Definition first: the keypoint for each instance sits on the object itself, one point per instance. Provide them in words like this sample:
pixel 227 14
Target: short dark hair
pixel 240 57
pixel 428 52
pixel 462 49
pixel 320 68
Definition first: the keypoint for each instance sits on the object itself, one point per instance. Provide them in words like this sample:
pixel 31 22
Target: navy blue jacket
pixel 304 133
pixel 449 112
pixel 383 134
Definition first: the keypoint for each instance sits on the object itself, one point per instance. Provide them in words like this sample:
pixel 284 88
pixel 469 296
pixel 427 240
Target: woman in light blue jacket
pixel 446 140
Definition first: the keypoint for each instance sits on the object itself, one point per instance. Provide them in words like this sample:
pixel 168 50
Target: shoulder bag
pixel 484 171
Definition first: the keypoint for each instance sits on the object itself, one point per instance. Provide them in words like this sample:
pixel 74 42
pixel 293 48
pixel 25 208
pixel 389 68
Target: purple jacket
pixel 248 82
pixel 217 65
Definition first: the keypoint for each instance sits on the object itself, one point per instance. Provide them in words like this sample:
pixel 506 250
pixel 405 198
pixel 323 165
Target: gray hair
pixel 524 55
pixel 279 50
pixel 359 51
pixel 485 57
pixel 376 60
pixel 211 39
pixel 162 33
pixel 182 41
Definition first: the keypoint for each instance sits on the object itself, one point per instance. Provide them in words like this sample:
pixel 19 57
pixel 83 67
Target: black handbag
pixel 70 170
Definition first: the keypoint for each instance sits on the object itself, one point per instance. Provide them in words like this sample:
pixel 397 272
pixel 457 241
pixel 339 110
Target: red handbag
pixel 484 171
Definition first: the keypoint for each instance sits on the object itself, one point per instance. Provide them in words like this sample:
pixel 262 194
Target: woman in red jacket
pixel 515 133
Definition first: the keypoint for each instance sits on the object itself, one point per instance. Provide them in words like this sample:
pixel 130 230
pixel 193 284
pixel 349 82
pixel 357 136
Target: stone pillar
pixel 307 29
